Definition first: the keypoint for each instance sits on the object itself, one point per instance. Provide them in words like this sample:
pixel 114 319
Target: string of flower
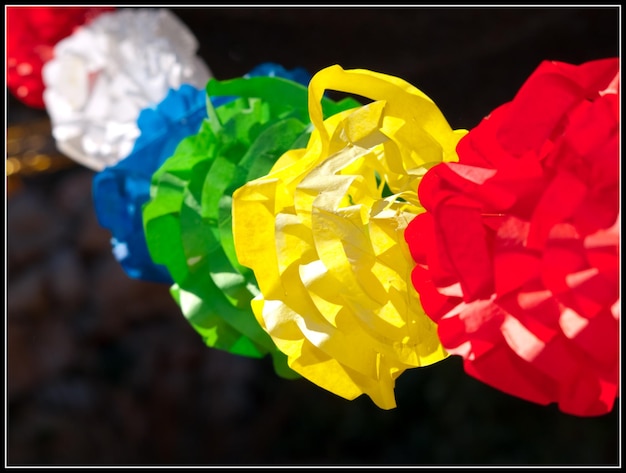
pixel 348 240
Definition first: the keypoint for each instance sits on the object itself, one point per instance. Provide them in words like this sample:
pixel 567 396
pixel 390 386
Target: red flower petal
pixel 32 33
pixel 518 249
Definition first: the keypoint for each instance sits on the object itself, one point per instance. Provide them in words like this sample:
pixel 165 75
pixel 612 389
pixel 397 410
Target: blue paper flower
pixel 121 190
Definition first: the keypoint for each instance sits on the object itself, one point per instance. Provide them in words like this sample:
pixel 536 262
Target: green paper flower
pixel 187 220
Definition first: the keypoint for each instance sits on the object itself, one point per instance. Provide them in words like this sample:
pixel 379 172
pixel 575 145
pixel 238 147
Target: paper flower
pixel 106 72
pixel 187 221
pixel 31 34
pixel 517 256
pixel 323 233
pixel 121 190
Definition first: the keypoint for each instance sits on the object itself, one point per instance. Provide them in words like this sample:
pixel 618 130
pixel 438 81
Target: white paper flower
pixel 105 73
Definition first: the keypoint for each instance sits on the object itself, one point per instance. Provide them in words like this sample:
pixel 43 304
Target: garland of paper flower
pixel 350 242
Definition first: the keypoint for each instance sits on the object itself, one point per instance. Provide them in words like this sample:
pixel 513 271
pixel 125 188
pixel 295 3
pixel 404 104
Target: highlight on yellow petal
pixel 323 234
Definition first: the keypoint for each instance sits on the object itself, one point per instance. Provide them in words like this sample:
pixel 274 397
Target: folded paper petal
pixel 323 233
pixel 31 34
pixel 121 190
pixel 517 255
pixel 106 72
pixel 187 220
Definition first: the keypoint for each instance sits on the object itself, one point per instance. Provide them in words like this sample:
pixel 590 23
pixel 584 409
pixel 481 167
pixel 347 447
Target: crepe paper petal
pixel 121 190
pixel 323 234
pixel 187 221
pixel 31 34
pixel 106 72
pixel 517 253
pixel 272 69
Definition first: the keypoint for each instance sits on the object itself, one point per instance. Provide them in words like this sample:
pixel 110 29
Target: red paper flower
pixel 518 252
pixel 32 33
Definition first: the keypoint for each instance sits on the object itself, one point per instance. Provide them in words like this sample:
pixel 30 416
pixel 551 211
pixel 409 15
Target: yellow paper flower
pixel 323 233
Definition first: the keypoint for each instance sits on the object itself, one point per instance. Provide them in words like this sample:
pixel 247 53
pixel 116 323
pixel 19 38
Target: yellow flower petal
pixel 323 233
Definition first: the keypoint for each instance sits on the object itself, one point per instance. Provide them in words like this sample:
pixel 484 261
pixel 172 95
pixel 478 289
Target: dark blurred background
pixel 104 370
